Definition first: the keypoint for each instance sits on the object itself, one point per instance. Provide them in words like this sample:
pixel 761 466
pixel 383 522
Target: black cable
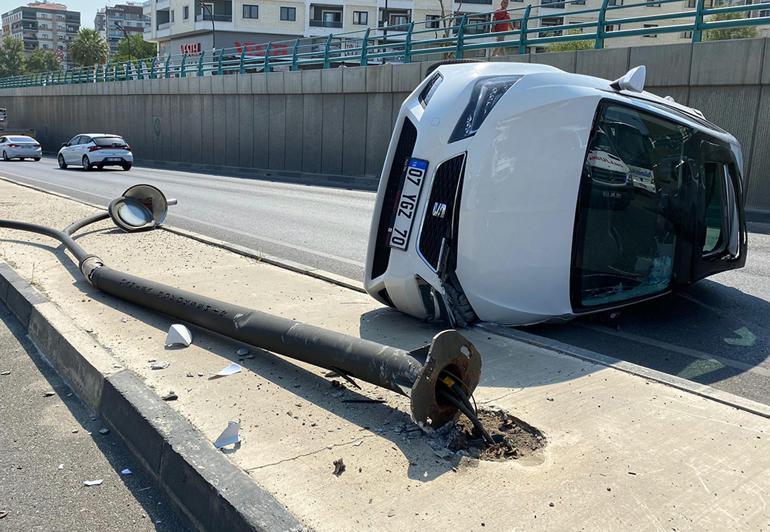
pixel 445 395
pixel 79 253
pixel 71 229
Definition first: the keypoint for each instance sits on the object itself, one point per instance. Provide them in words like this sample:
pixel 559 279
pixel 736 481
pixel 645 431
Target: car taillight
pixel 13 145
pixel 127 147
pixel 94 148
pixel 37 145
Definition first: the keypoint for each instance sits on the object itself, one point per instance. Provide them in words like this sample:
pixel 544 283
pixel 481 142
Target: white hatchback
pixel 20 147
pixel 96 150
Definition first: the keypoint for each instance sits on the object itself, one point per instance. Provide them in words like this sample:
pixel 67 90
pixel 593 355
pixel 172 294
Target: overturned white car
pixel 518 193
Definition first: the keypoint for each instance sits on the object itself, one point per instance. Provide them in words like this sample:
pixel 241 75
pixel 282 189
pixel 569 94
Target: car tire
pixel 126 166
pixel 86 163
pixel 36 159
pixel 62 162
pixel 5 156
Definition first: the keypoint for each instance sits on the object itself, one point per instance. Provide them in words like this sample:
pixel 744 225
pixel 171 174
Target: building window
pixel 612 27
pixel 186 12
pixel 552 4
pixel 686 35
pixel 171 16
pixel 579 2
pixel 615 3
pixel 250 11
pixel 288 13
pixel 551 21
pixel 432 21
pixel 652 36
pixel 361 18
pixel 652 3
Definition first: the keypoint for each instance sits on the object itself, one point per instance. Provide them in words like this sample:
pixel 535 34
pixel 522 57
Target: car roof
pixel 99 135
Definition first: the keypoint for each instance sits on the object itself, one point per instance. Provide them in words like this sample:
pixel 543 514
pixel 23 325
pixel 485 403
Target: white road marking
pixel 735 364
pixel 269 240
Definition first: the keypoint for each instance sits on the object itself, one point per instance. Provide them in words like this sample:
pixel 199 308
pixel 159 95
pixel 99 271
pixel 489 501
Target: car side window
pixel 84 139
pixel 635 168
pixel 74 140
pixel 2 139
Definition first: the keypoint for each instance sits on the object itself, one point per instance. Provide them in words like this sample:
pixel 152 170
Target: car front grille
pixel 404 149
pixel 440 210
pixel 608 176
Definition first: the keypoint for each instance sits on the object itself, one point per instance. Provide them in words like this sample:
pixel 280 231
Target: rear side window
pixel 84 139
pixel 115 142
pixel 21 139
pixel 636 167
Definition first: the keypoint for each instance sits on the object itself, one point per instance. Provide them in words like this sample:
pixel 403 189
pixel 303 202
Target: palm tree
pixel 89 48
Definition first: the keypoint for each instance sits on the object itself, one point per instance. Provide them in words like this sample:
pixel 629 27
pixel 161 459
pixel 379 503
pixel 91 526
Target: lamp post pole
pixel 213 28
pixel 128 40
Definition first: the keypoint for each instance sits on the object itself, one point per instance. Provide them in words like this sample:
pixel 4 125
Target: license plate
pixel 416 169
pixel 113 159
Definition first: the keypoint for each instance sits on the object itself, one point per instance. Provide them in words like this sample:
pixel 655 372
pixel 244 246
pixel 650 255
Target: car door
pixel 67 151
pixel 81 148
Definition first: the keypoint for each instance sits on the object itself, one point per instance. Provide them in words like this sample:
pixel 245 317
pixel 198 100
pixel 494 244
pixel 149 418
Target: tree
pixel 568 46
pixel 140 49
pixel 723 34
pixel 11 57
pixel 89 48
pixel 41 60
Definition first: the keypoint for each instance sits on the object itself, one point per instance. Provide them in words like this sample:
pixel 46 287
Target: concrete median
pixel 621 450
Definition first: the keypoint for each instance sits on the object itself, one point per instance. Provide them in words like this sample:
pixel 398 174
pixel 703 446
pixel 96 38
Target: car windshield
pixel 636 166
pixel 116 142
pixel 21 139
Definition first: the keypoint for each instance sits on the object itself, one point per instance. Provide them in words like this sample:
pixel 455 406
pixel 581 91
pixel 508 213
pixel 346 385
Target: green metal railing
pixel 452 36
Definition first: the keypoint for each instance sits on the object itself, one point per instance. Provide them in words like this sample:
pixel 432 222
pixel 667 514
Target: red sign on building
pixel 191 48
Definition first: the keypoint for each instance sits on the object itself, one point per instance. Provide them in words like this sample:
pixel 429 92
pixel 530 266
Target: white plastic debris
pixel 242 352
pixel 93 482
pixel 126 472
pixel 229 436
pixel 104 431
pixel 232 369
pixel 160 365
pixel 61 466
pixel 178 335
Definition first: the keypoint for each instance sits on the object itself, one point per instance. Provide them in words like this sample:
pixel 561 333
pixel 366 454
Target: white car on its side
pixel 20 147
pixel 517 193
pixel 96 150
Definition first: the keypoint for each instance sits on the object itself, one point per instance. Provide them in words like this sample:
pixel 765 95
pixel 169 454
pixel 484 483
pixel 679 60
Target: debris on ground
pixel 513 438
pixel 232 369
pixel 49 394
pixel 104 431
pixel 242 352
pixel 190 374
pixel 126 472
pixel 3 513
pixel 170 396
pixel 229 436
pixel 359 442
pixel 93 482
pixel 61 466
pixel 339 467
pixel 4 373
pixel 178 336
pixel 159 365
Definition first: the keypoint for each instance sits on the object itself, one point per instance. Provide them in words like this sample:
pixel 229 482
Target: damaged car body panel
pixel 547 195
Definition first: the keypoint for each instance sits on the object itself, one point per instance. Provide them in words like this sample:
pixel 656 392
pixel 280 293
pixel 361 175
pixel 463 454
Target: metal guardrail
pixel 454 37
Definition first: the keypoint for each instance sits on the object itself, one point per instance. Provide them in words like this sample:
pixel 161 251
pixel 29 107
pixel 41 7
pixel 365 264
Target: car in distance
pixel 546 195
pixel 20 147
pixel 96 150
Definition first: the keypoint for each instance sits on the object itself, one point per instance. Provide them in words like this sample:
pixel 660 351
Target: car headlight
pixel 486 93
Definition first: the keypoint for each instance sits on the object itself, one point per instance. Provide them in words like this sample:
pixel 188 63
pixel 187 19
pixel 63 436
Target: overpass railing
pixel 455 36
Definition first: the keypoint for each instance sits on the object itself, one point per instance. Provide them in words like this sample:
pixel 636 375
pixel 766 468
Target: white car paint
pixel 19 147
pixel 96 150
pixel 518 200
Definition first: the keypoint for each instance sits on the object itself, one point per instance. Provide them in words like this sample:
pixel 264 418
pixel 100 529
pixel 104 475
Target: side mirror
pixel 140 208
pixel 65 144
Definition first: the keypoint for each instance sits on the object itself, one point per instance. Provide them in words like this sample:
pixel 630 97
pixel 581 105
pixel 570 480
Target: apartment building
pixel 44 25
pixel 130 16
pixel 185 26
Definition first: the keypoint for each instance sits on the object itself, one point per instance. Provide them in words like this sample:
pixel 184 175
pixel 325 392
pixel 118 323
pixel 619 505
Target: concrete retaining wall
pixel 338 122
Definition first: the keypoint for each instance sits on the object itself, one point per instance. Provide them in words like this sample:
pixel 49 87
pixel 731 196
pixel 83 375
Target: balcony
pixel 163 26
pixel 325 24
pixel 215 17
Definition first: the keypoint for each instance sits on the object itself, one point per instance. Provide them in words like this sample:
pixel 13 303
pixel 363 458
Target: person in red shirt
pixel 501 22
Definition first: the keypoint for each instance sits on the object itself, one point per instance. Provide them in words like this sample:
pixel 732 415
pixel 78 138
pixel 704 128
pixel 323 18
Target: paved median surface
pixel 621 450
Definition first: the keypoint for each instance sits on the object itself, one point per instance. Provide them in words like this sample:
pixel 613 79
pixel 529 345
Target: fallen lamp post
pixel 439 379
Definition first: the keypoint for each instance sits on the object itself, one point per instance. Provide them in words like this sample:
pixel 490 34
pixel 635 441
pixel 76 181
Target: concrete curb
pixel 692 387
pixel 206 488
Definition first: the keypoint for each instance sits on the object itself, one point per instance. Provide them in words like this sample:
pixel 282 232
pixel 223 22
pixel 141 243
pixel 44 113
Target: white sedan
pixel 20 147
pixel 96 150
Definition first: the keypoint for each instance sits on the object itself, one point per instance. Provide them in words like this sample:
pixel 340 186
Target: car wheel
pixel 62 162
pixel 36 159
pixel 86 163
pixel 126 166
pixel 5 156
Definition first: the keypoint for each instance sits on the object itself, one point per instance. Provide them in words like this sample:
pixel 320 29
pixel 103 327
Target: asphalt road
pixel 51 444
pixel 716 332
